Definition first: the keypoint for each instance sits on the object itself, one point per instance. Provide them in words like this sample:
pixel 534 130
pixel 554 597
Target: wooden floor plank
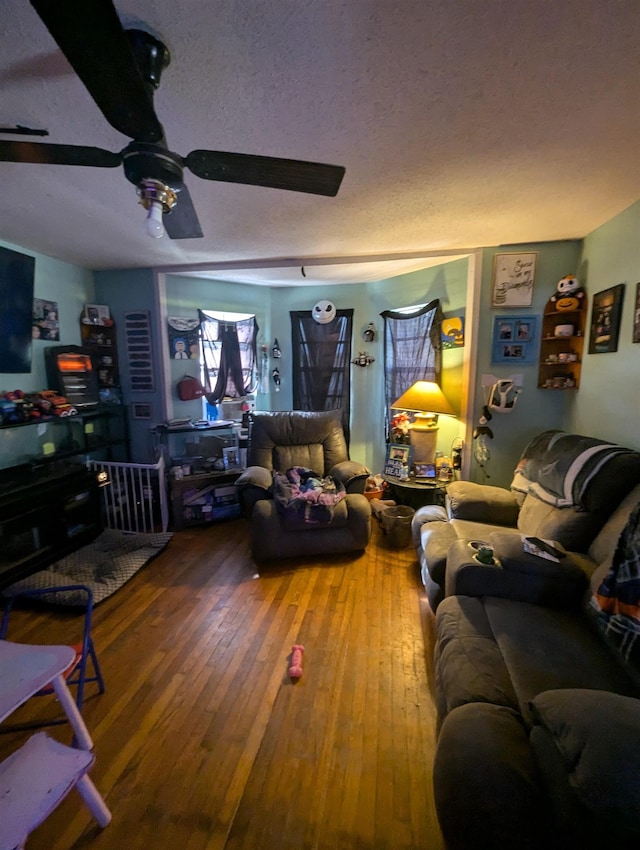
pixel 203 741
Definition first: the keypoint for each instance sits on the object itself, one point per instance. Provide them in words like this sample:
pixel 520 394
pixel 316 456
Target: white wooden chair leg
pixel 71 709
pixel 94 801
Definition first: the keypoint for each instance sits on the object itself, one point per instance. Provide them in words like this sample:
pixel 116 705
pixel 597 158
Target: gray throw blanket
pixel 304 494
pixel 558 467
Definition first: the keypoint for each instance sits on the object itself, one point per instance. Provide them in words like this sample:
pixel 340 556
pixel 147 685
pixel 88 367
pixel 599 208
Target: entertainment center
pixel 49 500
pixel 48 511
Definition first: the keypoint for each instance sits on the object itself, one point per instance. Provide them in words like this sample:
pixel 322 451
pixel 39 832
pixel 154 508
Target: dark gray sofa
pixel 538 710
pixel 581 500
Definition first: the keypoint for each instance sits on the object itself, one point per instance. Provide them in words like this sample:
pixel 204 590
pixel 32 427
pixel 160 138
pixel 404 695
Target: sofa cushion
pixel 469 664
pixel 481 503
pixel 508 547
pixel 486 782
pixel 587 744
pixel 571 527
pixel 548 648
pixel 279 440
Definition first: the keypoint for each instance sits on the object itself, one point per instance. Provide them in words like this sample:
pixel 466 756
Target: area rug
pixel 103 566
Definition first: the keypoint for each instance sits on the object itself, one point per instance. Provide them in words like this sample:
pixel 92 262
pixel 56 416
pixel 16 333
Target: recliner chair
pixel 280 441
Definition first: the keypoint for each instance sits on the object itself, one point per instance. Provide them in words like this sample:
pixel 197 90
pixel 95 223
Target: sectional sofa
pixel 537 665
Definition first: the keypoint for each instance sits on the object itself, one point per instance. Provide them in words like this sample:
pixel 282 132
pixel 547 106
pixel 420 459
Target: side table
pixel 414 494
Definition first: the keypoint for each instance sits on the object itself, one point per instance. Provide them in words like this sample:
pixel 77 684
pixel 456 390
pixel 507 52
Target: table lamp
pixel 426 400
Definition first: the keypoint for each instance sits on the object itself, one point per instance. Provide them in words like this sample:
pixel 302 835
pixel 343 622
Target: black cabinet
pixel 47 512
pixel 100 433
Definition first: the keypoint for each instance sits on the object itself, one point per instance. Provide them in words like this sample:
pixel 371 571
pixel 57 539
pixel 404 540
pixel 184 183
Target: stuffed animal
pixel 569 295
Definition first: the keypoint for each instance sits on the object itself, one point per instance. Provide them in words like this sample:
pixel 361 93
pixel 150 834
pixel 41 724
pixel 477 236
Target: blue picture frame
pixel 515 340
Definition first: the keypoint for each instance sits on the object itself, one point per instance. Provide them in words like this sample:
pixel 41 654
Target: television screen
pixel 16 308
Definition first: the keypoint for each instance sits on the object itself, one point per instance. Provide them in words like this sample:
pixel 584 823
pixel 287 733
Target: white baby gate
pixel 134 496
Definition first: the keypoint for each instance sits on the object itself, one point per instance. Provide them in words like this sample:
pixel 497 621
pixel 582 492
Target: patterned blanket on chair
pixel 302 493
pixel 616 603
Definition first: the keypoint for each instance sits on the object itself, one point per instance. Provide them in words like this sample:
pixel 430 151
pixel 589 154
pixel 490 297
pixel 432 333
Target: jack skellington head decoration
pixel 324 312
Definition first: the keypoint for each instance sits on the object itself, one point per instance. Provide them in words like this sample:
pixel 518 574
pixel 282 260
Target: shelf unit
pixel 99 433
pixel 99 341
pixel 47 512
pixel 203 498
pixel 561 356
pixel 199 491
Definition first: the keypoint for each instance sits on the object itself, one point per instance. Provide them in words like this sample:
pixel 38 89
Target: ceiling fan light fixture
pixel 155 228
pixel 157 199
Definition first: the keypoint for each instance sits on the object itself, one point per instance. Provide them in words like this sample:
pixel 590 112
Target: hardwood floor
pixel 203 742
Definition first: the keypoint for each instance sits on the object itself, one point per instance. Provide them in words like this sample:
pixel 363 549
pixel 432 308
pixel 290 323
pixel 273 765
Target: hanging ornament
pixel 275 374
pixel 275 349
pixel 369 333
pixel 363 359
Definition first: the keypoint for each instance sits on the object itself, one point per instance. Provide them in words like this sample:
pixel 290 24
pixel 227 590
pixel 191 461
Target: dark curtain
pixel 229 353
pixel 321 368
pixel 412 350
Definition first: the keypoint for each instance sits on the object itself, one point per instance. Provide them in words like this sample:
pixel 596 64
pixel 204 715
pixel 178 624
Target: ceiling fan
pixel 121 69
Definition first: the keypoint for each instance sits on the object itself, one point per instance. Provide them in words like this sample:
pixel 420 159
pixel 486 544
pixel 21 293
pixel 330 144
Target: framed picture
pixel 636 316
pixel 45 323
pixel 398 457
pixel 230 457
pixel 513 279
pixel 514 339
pixel 425 471
pixel 95 314
pixel 453 332
pixel 141 410
pixel 605 320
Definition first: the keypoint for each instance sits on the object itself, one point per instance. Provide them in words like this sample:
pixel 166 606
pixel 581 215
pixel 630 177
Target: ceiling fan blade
pixel 58 154
pixel 182 221
pixel 292 174
pixel 90 35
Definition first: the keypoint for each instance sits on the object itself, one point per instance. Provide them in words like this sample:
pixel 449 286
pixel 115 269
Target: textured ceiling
pixel 460 124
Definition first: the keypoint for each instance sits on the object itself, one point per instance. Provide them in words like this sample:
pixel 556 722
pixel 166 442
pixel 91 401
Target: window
pixel 412 349
pixel 321 363
pixel 228 355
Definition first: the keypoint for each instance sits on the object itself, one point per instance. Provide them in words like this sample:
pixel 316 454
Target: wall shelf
pixel 100 433
pixel 560 362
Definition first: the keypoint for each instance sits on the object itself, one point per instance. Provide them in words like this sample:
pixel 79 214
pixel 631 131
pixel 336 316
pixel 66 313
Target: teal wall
pixel 535 409
pixel 184 295
pixel 72 288
pixel 608 404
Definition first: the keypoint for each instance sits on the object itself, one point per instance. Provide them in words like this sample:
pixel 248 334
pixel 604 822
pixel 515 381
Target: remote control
pixel 545 547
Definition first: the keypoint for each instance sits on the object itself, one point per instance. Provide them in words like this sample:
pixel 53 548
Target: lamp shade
pixel 426 397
